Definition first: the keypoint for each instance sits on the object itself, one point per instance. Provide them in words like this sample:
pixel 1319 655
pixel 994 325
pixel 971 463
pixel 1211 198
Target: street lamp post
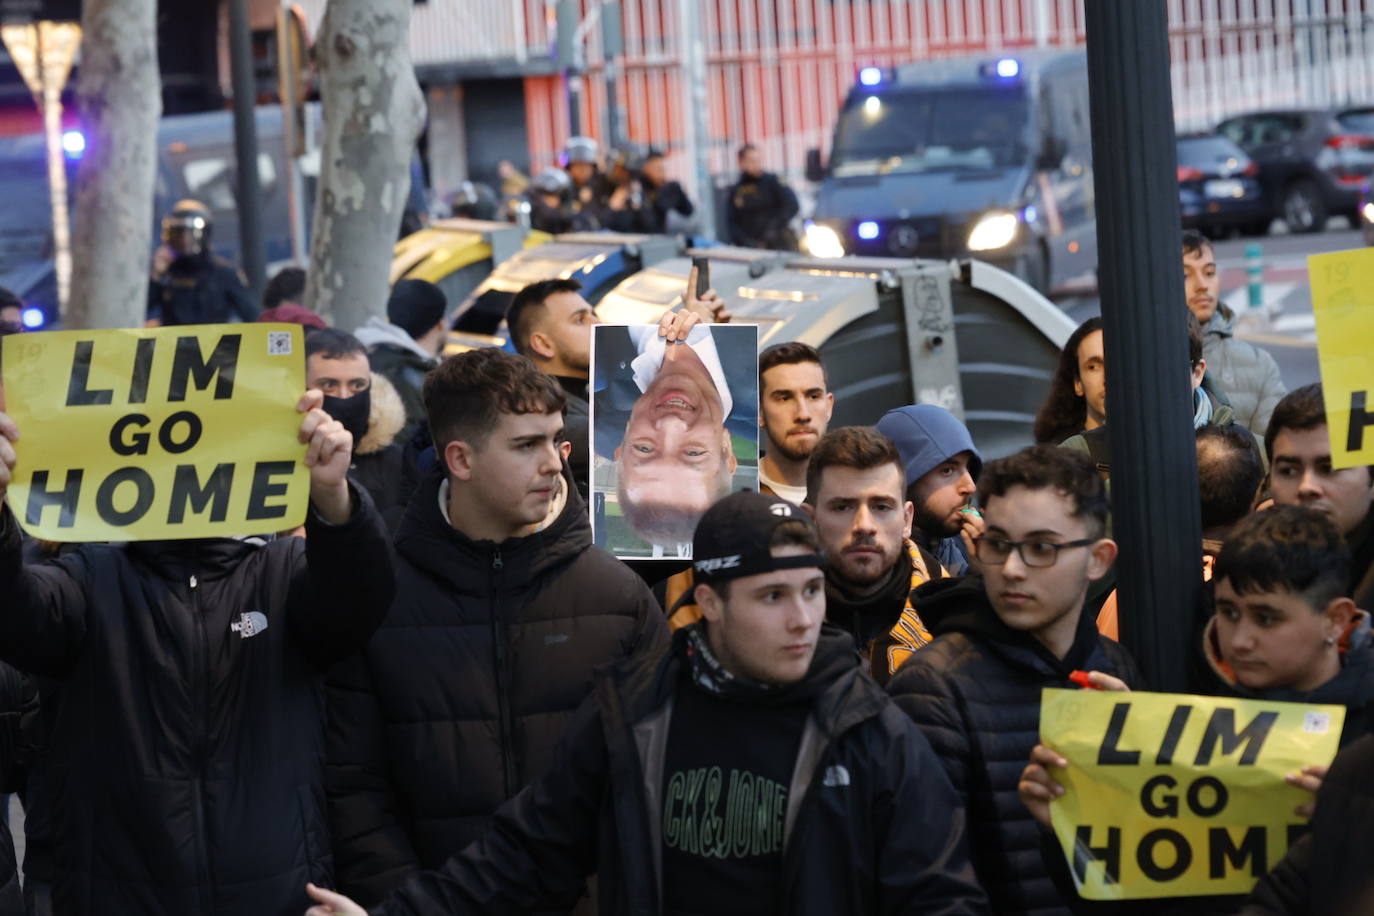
pixel 1155 512
pixel 43 52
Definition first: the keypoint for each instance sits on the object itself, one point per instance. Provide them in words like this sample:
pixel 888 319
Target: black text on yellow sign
pixel 1343 306
pixel 1177 795
pixel 157 433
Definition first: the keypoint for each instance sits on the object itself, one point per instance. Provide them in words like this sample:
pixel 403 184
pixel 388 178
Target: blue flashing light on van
pixel 33 318
pixel 972 157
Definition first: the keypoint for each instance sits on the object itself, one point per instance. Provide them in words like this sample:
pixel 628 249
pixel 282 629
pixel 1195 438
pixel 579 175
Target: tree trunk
pixel 120 98
pixel 373 113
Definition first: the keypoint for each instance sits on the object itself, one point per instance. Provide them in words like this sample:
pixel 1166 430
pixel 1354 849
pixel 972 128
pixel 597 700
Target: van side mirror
pixel 815 166
pixel 1052 153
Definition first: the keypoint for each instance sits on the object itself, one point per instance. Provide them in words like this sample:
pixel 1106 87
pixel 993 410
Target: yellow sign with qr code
pixel 157 433
pixel 1176 795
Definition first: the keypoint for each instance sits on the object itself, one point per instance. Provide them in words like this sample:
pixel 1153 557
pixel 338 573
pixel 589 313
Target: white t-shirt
pixel 794 495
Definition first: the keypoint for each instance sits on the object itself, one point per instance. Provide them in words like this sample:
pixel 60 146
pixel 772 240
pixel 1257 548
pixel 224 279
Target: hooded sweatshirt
pixel 395 354
pixel 926 437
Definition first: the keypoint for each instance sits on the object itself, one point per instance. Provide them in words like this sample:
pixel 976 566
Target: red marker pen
pixel 1082 679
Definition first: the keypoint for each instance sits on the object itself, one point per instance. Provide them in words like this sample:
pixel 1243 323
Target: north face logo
pixel 836 775
pixel 249 624
pixel 782 509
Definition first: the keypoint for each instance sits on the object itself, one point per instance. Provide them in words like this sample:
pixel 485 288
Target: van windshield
pixel 924 131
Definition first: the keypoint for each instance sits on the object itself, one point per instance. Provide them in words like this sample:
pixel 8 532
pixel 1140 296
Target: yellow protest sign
pixel 1343 304
pixel 1176 795
pixel 159 433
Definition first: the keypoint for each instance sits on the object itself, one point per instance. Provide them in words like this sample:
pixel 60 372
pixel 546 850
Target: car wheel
pixel 1256 228
pixel 1303 207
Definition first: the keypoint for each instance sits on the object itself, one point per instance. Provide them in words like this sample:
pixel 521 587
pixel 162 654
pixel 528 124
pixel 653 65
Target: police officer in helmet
pixel 189 284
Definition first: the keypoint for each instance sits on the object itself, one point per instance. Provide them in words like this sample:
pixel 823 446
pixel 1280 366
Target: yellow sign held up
pixel 1176 795
pixel 150 434
pixel 1343 303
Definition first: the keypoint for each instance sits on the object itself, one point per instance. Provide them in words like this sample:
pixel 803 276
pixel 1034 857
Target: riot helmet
pixel 186 229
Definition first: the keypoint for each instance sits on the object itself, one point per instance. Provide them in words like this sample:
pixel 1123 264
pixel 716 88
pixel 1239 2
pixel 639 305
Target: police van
pixel 989 158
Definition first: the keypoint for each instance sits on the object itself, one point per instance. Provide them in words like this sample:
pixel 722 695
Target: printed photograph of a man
pixel 675 420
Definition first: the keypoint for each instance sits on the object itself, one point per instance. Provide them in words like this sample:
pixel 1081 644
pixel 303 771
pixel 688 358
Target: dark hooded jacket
pixel 871 824
pixel 975 692
pixel 380 456
pixel 926 437
pixel 459 700
pixel 1326 872
pixel 184 763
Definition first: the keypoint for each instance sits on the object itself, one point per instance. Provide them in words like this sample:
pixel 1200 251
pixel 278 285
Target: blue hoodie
pixel 926 437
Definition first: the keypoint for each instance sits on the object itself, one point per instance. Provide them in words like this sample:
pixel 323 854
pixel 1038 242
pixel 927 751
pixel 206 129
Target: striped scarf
pixel 910 633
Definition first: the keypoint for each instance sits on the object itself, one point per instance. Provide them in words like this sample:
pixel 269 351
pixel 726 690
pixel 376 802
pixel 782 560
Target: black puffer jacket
pixel 872 827
pixel 1326 872
pixel 184 765
pixel 975 692
pixel 462 695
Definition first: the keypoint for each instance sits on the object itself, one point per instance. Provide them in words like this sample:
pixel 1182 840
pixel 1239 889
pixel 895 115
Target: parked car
pixel 1219 188
pixel 1312 162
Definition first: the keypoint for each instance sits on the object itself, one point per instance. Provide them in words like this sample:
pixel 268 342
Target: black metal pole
pixel 1140 277
pixel 246 147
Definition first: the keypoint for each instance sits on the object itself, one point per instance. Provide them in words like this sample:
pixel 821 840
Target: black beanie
pixel 416 306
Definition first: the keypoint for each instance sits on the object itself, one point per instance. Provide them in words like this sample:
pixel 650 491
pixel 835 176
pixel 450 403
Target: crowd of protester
pixel 453 702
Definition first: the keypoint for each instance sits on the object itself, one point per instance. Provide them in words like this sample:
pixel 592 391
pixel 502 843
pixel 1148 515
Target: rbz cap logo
pixel 716 564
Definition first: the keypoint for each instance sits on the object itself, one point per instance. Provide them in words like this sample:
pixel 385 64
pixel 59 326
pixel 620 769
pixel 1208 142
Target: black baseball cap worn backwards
pixel 732 538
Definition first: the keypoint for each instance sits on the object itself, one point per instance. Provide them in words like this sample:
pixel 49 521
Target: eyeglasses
pixel 1037 554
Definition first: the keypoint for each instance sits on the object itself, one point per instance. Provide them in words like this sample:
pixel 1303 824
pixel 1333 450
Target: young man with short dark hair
pixel 551 324
pixel 750 768
pixel 795 404
pixel 942 466
pixel 1299 449
pixel 368 406
pixel 1247 374
pixel 502 609
pixel 1003 637
pixel 856 492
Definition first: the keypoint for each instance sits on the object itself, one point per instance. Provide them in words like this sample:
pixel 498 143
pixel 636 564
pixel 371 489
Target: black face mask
pixel 351 412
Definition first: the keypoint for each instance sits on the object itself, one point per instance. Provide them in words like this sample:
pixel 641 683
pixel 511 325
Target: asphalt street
pixel 1283 325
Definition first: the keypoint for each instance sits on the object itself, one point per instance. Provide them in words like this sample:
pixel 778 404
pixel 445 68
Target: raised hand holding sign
pixel 167 433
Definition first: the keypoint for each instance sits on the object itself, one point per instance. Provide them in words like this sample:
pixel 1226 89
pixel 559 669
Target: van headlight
pixel 995 230
pixel 823 242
